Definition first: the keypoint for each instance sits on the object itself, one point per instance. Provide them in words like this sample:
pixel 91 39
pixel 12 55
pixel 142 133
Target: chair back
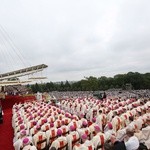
pixel 41 144
pixel 63 147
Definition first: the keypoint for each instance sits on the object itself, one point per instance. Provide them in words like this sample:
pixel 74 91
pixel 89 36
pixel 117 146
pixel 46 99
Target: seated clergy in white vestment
pixel 86 145
pixel 20 142
pixel 27 145
pixel 60 142
pixel 98 140
pixel 108 130
pixel 39 139
pixel 51 134
pixel 73 137
pixel 20 134
pixel 84 129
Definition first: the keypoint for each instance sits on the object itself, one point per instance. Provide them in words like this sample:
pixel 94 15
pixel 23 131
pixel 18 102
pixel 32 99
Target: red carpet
pixel 6 130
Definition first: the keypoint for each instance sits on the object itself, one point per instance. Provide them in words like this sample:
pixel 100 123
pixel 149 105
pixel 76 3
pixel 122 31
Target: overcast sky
pixel 75 38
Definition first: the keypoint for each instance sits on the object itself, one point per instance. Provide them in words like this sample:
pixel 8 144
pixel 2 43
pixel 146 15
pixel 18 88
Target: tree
pixel 92 83
pixel 137 80
pixel 67 86
pixel 37 88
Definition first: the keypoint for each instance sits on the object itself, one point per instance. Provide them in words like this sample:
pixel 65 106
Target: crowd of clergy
pixel 82 123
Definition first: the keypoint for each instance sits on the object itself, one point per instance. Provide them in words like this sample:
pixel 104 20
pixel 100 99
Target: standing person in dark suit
pixel 104 95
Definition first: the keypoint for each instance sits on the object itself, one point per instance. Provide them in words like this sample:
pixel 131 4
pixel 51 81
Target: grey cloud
pixel 79 38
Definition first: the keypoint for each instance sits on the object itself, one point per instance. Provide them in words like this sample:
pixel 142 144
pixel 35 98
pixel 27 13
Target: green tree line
pixel 135 79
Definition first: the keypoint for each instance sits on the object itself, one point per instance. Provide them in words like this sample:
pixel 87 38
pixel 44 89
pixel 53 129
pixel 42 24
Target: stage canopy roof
pixel 22 72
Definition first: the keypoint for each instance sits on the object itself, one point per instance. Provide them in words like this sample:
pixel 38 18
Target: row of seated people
pixel 109 116
pixel 21 121
pixel 41 122
pixel 137 110
pixel 74 136
pixel 49 138
pixel 115 93
pixel 67 94
pixel 90 106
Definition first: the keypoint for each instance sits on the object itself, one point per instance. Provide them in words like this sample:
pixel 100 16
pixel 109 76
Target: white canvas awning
pixel 22 72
